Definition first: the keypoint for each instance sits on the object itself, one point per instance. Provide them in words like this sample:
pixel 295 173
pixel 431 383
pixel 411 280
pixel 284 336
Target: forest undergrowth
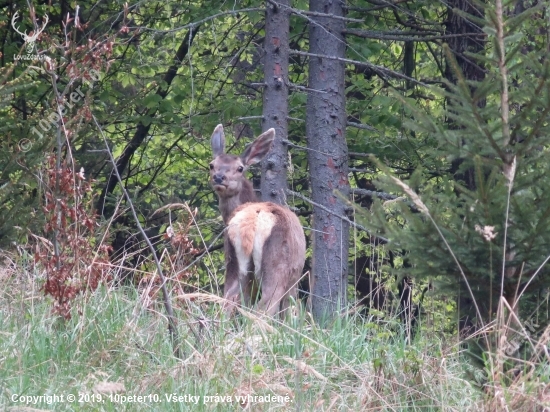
pixel 114 353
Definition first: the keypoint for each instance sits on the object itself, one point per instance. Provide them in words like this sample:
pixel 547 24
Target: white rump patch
pixel 264 225
pixel 240 226
pixel 234 234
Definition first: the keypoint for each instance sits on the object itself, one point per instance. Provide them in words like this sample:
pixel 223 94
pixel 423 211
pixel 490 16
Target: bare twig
pixel 304 89
pixel 374 67
pixel 195 24
pixel 329 16
pixel 504 105
pixel 357 154
pixel 326 209
pixel 406 35
pixel 250 118
pixel 362 126
pixel 380 195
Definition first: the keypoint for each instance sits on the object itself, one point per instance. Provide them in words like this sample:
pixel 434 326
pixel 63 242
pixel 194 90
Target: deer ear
pixel 259 148
pixel 217 141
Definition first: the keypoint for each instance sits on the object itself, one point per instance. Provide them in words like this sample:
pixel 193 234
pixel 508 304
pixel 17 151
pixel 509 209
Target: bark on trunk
pixel 328 159
pixel 275 104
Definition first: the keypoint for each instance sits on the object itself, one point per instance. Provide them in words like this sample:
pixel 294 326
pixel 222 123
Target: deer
pixel 264 243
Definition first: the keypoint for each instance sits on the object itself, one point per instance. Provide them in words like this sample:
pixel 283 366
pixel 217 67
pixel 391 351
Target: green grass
pixel 115 347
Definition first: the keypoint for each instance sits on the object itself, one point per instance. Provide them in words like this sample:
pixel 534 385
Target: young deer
pixel 264 245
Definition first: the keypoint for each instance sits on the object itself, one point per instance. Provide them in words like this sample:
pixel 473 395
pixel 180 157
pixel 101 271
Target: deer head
pixel 227 171
pixel 264 242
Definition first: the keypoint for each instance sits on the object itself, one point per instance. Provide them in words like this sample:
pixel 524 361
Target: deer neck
pixel 229 204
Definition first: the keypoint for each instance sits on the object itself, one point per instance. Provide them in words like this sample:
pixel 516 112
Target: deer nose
pixel 218 179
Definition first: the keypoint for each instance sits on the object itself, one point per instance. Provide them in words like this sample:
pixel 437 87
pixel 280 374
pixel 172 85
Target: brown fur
pixel 264 244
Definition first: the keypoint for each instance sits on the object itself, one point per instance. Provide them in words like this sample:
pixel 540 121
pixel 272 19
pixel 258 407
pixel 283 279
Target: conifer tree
pixel 489 242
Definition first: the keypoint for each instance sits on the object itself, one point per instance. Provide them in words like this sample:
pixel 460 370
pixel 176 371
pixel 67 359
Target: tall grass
pixel 115 347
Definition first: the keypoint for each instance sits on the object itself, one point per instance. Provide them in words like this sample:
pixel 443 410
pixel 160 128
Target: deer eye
pixel 211 166
pixel 240 169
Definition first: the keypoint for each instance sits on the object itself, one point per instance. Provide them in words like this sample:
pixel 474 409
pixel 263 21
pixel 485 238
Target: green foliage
pixel 484 173
pixel 215 83
pixel 20 152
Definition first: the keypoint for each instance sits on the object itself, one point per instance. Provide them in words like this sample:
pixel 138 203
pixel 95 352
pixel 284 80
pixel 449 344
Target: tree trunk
pixel 328 159
pixel 460 45
pixel 275 105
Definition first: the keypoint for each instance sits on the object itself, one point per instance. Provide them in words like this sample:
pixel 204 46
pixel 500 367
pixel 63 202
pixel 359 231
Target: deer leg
pixel 270 301
pixel 274 284
pixel 232 286
pixel 247 288
pixel 279 272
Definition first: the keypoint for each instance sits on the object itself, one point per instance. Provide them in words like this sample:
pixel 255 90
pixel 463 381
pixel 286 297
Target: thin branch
pixel 296 119
pixel 374 67
pixel 501 51
pixel 195 24
pixel 330 16
pixel 289 143
pixel 172 327
pixel 378 5
pixel 357 154
pixel 384 196
pixel 304 89
pixel 373 193
pixel 359 170
pixel 250 118
pixel 326 209
pixel 415 36
pixel 362 126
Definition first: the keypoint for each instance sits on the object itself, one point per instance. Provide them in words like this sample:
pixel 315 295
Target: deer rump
pixel 266 250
